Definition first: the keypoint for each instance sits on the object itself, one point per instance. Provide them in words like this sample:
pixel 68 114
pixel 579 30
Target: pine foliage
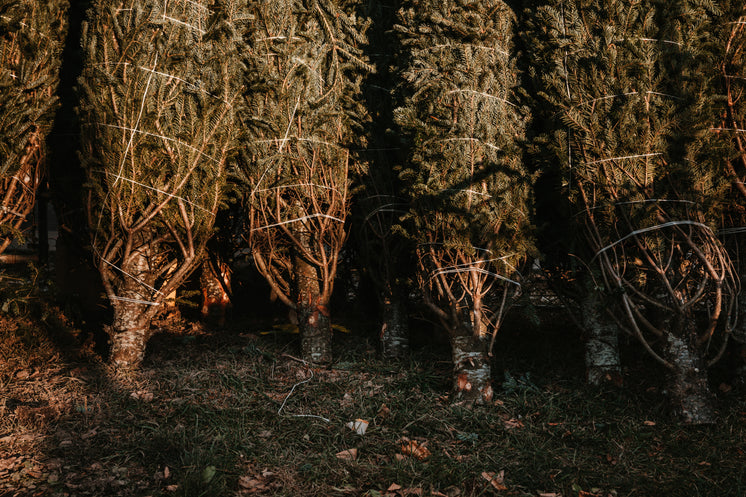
pixel 628 87
pixel 730 122
pixel 159 94
pixel 465 180
pixel 304 113
pixel 384 251
pixel 31 38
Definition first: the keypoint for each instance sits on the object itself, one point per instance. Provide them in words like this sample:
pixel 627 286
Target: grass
pixel 201 419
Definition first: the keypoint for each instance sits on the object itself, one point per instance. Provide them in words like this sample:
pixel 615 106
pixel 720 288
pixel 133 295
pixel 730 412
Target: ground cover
pixel 233 412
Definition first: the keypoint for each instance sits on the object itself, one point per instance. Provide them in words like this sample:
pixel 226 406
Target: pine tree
pixel 732 125
pixel 628 86
pixel 159 91
pixel 385 251
pixel 304 113
pixel 31 38
pixel 466 183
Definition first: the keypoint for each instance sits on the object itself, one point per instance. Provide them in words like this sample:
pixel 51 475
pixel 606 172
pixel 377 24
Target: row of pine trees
pixel 452 143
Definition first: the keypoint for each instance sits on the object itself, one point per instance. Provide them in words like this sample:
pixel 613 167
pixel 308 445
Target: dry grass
pixel 201 419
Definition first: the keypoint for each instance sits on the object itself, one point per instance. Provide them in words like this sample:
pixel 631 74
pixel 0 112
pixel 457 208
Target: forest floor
pixel 233 412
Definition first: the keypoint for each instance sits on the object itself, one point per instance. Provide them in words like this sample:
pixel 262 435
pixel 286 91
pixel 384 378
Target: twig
pixel 279 411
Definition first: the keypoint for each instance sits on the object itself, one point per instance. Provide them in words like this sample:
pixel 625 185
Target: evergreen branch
pixel 469 45
pixel 300 219
pixel 494 147
pixel 170 195
pixel 178 142
pixel 652 228
pixel 622 158
pixel 662 41
pixel 182 23
pixel 477 270
pixel 461 90
pixel 137 123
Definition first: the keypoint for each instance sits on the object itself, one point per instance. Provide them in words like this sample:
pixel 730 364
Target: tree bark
pixel 316 334
pixel 313 316
pixel 601 343
pixel 128 337
pixel 472 373
pixel 394 330
pixel 130 330
pixel 688 386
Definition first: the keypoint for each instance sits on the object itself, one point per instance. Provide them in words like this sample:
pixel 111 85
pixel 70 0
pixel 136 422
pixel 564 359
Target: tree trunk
pixel 472 373
pixel 128 336
pixel 688 386
pixel 313 315
pixel 316 334
pixel 395 330
pixel 215 283
pixel 601 343
pixel 130 330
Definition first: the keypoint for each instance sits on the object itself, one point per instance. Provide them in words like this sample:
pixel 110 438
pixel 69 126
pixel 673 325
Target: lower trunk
pixel 601 344
pixel 688 386
pixel 471 370
pixel 130 330
pixel 214 281
pixel 313 317
pixel 128 337
pixel 316 333
pixel 394 331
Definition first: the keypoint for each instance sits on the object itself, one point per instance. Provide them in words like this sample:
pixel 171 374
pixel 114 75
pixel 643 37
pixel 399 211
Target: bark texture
pixel 130 330
pixel 472 373
pixel 395 330
pixel 316 334
pixel 128 339
pixel 601 343
pixel 688 387
pixel 313 315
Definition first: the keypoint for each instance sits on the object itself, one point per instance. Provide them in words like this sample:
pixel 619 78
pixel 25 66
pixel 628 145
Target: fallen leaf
pixel 415 449
pixel 359 426
pixel 649 423
pixel 172 488
pixel 166 473
pixel 251 484
pixel 495 479
pixel 393 487
pixel 513 423
pixel 384 412
pixel 348 455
